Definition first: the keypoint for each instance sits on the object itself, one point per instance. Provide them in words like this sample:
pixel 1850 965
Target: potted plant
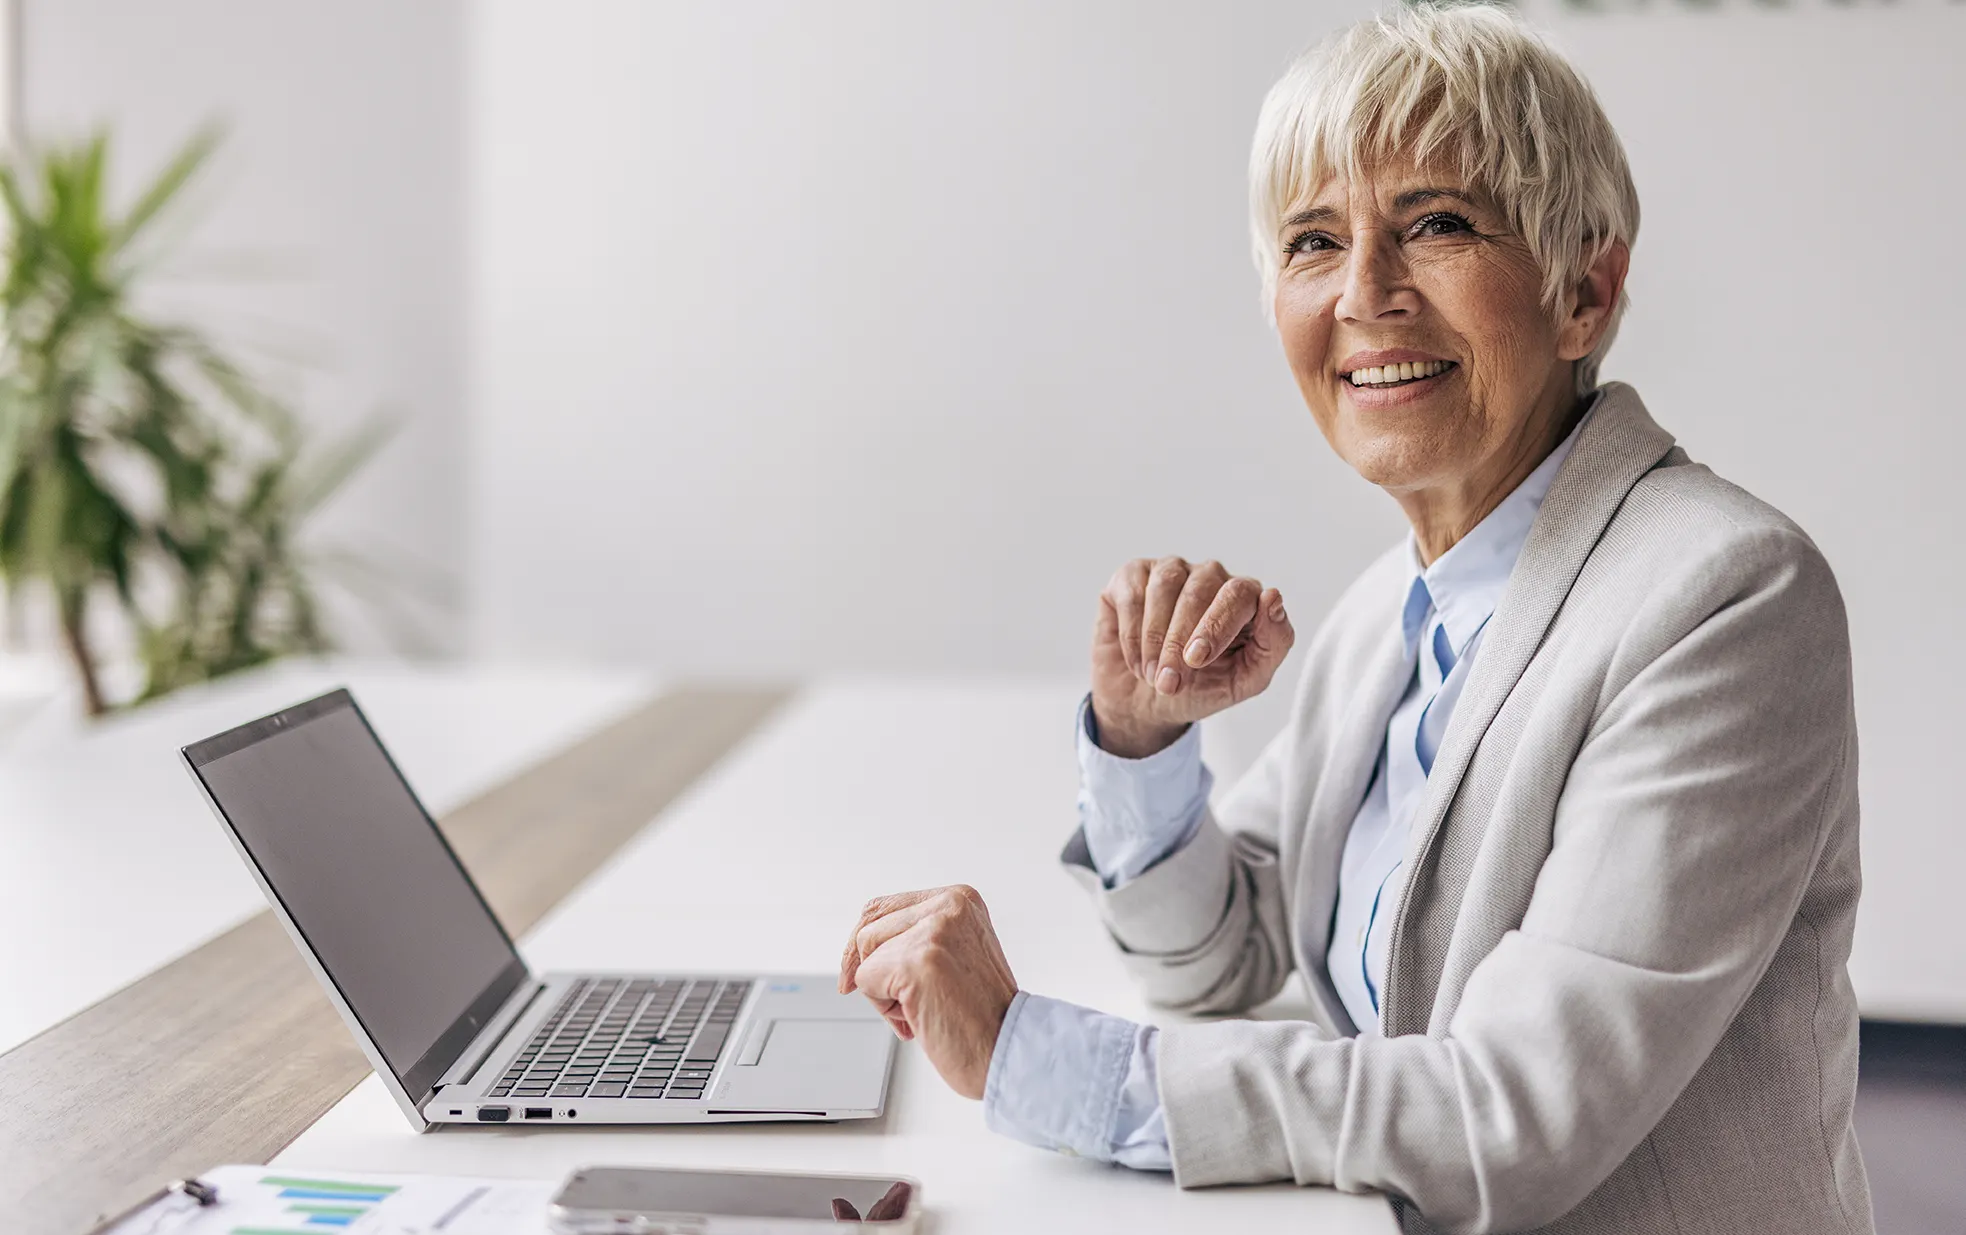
pixel 140 466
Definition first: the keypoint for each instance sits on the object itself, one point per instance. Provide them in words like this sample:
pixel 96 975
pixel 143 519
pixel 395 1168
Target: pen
pixel 174 1205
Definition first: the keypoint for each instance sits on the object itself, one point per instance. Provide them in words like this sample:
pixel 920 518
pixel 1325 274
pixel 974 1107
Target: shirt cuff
pixel 1136 812
pixel 1057 1075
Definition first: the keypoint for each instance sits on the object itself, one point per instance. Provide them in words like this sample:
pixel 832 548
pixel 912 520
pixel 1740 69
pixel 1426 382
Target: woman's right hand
pixel 1174 643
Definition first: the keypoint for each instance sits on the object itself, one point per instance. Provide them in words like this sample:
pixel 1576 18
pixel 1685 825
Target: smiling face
pixel 1411 317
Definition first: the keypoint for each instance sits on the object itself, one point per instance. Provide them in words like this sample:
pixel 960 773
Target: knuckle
pixel 1170 568
pixel 1211 570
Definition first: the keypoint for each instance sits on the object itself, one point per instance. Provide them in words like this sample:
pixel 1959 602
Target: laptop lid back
pixel 366 884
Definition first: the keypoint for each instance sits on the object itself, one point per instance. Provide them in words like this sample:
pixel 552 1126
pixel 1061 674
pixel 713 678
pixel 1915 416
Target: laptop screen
pixel 366 878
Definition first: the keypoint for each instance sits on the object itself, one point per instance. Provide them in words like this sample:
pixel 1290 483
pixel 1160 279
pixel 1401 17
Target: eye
pixel 1310 242
pixel 1440 223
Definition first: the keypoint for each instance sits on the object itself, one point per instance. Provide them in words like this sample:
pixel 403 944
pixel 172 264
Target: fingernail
pixel 1276 612
pixel 1198 650
pixel 1168 682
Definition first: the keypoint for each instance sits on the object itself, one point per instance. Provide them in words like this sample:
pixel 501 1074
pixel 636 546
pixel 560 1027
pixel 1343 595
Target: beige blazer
pixel 1617 998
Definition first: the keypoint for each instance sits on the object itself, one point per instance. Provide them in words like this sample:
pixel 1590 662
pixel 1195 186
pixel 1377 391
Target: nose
pixel 1377 286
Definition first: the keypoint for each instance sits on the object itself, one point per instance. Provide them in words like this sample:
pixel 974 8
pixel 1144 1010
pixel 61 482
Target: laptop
pixel 452 1020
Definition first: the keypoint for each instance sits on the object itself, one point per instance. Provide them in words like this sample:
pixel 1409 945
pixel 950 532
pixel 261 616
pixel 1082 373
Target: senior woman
pixel 1562 832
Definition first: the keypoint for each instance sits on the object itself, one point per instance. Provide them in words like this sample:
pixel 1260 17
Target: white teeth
pixel 1386 375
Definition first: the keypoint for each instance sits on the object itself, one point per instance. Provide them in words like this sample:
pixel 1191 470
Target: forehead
pixel 1384 187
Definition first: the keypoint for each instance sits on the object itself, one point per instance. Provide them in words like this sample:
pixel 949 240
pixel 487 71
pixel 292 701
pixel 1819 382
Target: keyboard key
pixel 608 1090
pixel 570 1091
pixel 709 1043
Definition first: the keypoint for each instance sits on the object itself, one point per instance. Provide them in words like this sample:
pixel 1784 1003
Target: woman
pixel 1562 833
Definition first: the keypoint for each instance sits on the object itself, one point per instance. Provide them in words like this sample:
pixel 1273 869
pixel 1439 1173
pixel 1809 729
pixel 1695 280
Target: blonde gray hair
pixel 1469 85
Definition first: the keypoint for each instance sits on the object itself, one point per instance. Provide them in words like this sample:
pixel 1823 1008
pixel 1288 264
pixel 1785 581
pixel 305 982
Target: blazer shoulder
pixel 1695 512
pixel 1704 542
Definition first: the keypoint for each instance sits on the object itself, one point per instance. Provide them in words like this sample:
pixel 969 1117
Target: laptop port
pixel 494 1114
pixel 539 1112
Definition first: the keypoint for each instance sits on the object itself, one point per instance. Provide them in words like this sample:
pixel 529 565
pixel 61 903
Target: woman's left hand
pixel 931 963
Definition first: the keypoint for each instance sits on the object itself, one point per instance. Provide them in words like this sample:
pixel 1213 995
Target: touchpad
pixel 815 1065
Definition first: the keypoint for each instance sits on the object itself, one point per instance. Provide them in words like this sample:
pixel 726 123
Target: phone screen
pixel 819 1198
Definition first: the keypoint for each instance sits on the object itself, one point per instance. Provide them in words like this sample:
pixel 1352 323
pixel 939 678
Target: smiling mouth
pixel 1383 376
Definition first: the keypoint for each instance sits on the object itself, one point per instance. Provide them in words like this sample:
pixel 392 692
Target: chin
pixel 1396 456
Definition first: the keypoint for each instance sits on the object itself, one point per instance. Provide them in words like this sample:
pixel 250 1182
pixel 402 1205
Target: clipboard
pixel 265 1200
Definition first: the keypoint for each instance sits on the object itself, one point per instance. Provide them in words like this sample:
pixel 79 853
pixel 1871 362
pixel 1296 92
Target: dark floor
pixel 1911 1122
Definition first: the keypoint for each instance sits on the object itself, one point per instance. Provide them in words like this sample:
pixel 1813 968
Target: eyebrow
pixel 1405 201
pixel 1413 197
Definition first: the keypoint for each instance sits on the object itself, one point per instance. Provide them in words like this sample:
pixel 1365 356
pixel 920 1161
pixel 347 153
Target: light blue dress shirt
pixel 1068 1078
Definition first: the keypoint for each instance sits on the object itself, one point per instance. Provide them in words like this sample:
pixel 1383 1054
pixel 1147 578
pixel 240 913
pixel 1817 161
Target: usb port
pixel 539 1112
pixel 494 1114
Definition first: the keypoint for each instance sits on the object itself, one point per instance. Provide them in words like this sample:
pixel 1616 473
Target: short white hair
pixel 1466 84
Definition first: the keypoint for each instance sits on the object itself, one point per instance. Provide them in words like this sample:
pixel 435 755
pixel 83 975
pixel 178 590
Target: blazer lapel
pixel 1348 774
pixel 1618 446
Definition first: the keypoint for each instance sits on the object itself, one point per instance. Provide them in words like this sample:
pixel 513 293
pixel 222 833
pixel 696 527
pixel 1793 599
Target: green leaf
pixel 164 190
pixel 137 456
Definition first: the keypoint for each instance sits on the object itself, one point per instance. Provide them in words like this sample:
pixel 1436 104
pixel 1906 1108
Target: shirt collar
pixel 1466 583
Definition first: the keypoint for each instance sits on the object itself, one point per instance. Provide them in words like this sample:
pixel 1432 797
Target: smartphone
pixel 619 1200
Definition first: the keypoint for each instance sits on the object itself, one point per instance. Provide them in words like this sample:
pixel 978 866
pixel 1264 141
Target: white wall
pixel 826 337
pixel 872 336
pixel 341 188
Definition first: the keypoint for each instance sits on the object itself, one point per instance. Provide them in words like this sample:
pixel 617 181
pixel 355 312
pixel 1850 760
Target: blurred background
pixel 787 340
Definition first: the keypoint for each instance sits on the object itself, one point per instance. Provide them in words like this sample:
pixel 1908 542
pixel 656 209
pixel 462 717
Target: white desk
pixel 855 789
pixel 114 866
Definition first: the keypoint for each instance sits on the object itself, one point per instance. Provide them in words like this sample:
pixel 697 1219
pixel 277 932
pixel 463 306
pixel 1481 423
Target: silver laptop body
pixel 429 982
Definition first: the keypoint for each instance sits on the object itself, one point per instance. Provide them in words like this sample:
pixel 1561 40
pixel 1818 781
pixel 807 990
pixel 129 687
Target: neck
pixel 1442 514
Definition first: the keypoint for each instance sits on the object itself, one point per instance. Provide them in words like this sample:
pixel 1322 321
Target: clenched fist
pixel 931 963
pixel 1176 642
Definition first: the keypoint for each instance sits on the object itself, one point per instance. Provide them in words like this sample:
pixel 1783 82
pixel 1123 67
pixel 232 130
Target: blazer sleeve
pixel 1720 750
pixel 1204 929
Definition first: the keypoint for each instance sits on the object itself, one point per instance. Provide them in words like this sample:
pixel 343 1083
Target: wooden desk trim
pixel 229 1052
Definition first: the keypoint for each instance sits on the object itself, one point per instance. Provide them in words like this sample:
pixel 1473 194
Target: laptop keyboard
pixel 628 1038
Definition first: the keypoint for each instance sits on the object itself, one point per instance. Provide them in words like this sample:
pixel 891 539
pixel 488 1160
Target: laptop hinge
pixel 473 1056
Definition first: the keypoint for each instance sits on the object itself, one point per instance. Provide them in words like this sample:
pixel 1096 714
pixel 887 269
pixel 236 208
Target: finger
pixel 843 1210
pixel 869 938
pixel 1271 637
pixel 879 907
pixel 1164 584
pixel 1203 582
pixel 882 979
pixel 861 944
pixel 897 1020
pixel 1128 592
pixel 1106 634
pixel 1233 608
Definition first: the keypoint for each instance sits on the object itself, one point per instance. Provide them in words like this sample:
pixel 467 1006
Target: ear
pixel 1593 300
